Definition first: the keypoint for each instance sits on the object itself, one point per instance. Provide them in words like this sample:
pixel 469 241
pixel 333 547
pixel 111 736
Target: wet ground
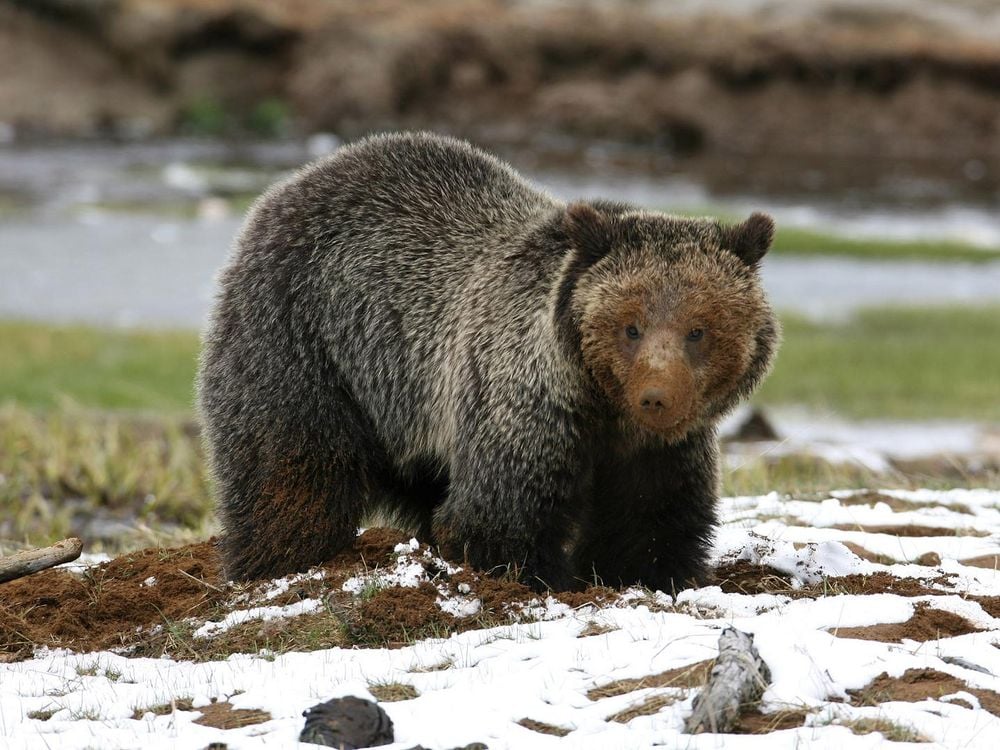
pixel 133 234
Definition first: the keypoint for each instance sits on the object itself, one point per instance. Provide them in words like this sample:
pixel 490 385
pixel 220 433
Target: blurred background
pixel 135 133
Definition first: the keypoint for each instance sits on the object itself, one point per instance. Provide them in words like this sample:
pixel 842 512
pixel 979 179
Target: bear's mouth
pixel 672 429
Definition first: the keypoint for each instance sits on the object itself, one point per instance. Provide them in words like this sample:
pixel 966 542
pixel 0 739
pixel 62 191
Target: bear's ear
pixel 589 231
pixel 750 240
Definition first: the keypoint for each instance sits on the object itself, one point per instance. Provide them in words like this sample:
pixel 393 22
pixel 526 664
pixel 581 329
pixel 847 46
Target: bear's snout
pixel 653 399
pixel 661 408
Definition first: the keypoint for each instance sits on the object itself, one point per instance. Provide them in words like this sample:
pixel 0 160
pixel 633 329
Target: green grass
pixel 41 366
pixel 792 241
pixel 884 363
pixel 73 472
pixel 892 363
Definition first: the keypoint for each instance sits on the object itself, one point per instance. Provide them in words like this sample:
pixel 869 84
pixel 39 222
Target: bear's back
pixel 414 194
pixel 392 252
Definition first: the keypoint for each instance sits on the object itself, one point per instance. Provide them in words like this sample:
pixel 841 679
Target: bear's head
pixel 667 314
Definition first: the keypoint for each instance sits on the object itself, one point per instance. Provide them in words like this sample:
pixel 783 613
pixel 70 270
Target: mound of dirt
pixel 386 590
pixel 922 684
pixel 926 624
pixel 383 591
pixel 103 607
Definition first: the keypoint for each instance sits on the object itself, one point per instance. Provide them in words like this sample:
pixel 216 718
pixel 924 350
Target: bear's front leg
pixel 510 506
pixel 654 515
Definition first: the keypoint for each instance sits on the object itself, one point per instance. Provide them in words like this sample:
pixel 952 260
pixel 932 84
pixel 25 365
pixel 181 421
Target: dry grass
pixel 390 692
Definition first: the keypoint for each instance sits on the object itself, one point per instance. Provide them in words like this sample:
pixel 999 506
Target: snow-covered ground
pixel 477 685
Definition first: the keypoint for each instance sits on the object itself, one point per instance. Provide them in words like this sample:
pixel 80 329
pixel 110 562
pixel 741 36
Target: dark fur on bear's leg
pixel 293 485
pixel 653 522
pixel 512 498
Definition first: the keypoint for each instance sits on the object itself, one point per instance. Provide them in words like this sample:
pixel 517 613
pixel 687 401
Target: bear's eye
pixel 695 334
pixel 632 332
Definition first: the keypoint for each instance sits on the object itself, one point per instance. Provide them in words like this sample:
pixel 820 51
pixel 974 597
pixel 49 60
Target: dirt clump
pixel 398 616
pixel 755 722
pixel 879 583
pixel 222 715
pixel 910 530
pixel 107 605
pixel 744 577
pixel 927 623
pixel 920 684
pixel 990 562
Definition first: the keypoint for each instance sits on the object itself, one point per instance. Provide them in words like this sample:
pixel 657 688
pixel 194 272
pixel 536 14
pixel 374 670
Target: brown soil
pixel 102 608
pixel 871 497
pixel 926 624
pixel 224 716
pixel 990 604
pixel 866 554
pixel 870 84
pixel 920 684
pixel 150 603
pixel 990 562
pixel 879 583
pixel 757 723
pixel 910 530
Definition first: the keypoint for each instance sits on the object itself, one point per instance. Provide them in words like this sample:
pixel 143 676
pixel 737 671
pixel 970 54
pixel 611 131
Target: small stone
pixel 347 723
pixel 755 427
pixel 929 559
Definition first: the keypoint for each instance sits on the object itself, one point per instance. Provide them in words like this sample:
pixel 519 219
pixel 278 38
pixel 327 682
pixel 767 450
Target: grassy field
pixel 792 241
pixel 884 363
pixel 43 366
pixel 893 363
pixel 97 434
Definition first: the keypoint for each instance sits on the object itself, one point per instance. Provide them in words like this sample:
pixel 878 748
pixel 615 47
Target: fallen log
pixel 33 560
pixel 736 682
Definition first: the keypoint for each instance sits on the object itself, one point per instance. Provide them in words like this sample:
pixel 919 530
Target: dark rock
pixel 347 723
pixel 755 427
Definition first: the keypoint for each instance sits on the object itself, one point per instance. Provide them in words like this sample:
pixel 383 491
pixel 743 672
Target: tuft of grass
pixel 891 730
pixel 902 363
pixel 43 714
pixel 70 472
pixel 390 692
pixel 543 727
pixel 44 365
pixel 162 709
pixel 650 705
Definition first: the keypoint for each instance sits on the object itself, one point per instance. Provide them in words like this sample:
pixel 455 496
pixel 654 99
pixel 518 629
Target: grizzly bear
pixel 410 326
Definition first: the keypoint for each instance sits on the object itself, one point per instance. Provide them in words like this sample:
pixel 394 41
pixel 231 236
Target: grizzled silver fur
pixel 408 325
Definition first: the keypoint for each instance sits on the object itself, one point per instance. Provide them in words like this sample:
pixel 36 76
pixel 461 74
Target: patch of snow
pixel 482 682
pixel 240 616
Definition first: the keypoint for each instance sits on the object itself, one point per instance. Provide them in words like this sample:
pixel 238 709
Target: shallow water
pixel 133 234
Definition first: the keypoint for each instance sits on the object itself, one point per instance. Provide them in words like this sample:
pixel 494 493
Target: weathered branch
pixel 33 560
pixel 737 680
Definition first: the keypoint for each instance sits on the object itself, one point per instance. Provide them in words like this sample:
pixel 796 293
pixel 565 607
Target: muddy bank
pixel 838 80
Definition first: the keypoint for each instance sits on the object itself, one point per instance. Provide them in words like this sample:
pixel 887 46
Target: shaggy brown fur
pixel 410 326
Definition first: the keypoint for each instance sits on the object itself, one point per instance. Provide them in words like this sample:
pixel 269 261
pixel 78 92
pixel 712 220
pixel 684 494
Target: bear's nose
pixel 653 399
